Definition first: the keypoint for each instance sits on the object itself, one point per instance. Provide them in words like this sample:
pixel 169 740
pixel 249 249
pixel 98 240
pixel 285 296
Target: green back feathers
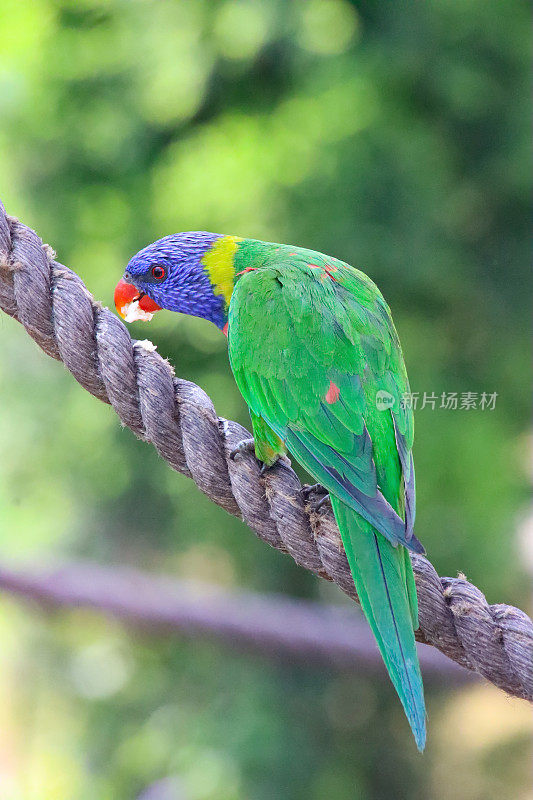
pixel 311 345
pixel 314 350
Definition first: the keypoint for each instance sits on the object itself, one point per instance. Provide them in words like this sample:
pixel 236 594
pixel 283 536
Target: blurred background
pixel 391 135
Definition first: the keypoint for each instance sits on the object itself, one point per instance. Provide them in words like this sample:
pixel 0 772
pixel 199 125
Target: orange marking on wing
pixel 332 395
pixel 248 269
pixel 225 329
pixel 328 269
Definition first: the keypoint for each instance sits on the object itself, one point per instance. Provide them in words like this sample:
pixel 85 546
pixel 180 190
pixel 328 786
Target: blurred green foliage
pixel 392 135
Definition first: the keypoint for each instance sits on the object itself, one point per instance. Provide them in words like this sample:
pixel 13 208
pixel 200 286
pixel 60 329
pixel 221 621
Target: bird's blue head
pixel 192 273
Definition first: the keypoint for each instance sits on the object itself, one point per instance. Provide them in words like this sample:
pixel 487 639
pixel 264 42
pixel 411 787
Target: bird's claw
pixel 248 446
pixel 318 505
pixel 244 446
pixel 312 488
pixel 315 489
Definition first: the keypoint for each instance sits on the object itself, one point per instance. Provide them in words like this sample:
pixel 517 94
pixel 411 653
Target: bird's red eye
pixel 158 272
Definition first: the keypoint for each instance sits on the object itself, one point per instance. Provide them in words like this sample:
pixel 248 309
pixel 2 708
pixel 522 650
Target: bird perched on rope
pixel 316 356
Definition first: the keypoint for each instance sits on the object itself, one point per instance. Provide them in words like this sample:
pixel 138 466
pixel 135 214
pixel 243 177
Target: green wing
pixel 315 354
pixel 316 357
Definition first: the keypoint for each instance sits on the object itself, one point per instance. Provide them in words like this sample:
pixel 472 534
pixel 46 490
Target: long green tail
pixel 384 580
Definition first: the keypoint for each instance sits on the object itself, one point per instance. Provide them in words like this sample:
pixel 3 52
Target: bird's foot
pixel 244 446
pixel 320 492
pixel 318 505
pixel 248 446
pixel 312 488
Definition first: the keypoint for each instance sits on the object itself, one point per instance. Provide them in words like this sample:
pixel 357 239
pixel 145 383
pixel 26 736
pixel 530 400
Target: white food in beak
pixel 132 313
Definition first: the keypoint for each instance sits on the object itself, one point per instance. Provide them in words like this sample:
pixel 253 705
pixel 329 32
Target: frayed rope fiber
pixel 179 419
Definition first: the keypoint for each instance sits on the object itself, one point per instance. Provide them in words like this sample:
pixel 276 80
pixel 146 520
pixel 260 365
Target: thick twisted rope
pixel 179 419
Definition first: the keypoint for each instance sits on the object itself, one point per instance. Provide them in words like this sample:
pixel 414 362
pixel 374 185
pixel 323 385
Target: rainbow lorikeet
pixel 316 356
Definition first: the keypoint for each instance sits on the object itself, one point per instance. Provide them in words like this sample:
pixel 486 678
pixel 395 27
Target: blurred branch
pixel 58 312
pixel 271 624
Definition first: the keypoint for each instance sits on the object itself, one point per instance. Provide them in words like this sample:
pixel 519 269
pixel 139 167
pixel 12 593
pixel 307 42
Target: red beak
pixel 131 304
